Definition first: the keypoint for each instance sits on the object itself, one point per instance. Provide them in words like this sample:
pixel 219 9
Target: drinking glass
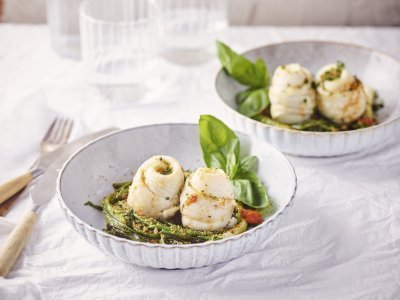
pixel 63 20
pixel 118 43
pixel 188 29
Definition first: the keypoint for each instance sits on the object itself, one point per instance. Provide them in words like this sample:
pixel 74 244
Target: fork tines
pixel 59 131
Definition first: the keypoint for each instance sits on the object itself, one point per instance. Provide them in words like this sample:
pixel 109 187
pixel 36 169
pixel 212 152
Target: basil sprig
pixel 255 76
pixel 252 102
pixel 221 149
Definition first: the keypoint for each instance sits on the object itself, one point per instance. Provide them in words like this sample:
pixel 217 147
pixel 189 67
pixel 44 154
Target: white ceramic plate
pixel 89 173
pixel 376 69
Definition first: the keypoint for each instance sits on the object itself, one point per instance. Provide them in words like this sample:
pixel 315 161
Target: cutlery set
pixel 53 153
pixel 56 136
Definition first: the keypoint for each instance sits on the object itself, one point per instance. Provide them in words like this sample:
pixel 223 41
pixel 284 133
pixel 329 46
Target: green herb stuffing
pixel 167 171
pixel 333 74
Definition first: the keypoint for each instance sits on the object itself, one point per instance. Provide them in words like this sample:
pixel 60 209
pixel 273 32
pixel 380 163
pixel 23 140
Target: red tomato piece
pixel 251 216
pixel 191 199
pixel 368 121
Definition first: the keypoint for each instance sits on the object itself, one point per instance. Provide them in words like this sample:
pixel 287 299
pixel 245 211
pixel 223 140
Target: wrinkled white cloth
pixel 341 239
pixel 22 126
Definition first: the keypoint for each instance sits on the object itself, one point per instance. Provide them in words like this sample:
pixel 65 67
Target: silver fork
pixel 56 136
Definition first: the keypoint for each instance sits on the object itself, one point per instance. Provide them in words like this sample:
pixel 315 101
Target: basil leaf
pixel 241 69
pixel 231 165
pixel 217 160
pixel 243 191
pixel 260 65
pixel 221 149
pixel 247 163
pixel 218 141
pixel 268 210
pixel 260 199
pixel 232 146
pixel 255 102
pixel 241 96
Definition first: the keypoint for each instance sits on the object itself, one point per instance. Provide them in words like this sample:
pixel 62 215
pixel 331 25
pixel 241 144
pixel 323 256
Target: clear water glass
pixel 118 41
pixel 188 29
pixel 63 21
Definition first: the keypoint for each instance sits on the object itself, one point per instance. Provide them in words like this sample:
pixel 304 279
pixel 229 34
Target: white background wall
pixel 315 12
pixel 262 12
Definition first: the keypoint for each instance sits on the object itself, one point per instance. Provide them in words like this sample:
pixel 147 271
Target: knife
pixel 17 239
pixel 40 195
pixel 12 187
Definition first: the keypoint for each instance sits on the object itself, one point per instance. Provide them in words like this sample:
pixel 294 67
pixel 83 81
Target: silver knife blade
pixel 47 159
pixel 45 187
pixel 44 190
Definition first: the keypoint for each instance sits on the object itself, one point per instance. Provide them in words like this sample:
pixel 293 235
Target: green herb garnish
pixel 221 149
pixel 253 75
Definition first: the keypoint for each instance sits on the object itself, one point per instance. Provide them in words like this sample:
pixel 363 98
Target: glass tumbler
pixel 63 20
pixel 188 28
pixel 118 43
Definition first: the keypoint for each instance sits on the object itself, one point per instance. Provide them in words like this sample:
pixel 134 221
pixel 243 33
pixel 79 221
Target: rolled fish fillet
pixel 207 200
pixel 156 187
pixel 341 96
pixel 293 99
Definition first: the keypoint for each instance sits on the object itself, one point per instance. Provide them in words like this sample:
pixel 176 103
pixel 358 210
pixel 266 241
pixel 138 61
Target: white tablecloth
pixel 341 240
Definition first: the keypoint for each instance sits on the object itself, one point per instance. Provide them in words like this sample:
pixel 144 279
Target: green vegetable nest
pixel 254 101
pixel 221 149
pixel 123 222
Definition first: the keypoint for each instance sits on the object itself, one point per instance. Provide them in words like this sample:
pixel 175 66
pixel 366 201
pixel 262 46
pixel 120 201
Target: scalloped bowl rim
pixel 382 124
pixel 168 246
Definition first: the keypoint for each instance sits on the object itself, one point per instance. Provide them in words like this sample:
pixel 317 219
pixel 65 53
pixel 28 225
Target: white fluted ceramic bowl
pixel 376 69
pixel 89 173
